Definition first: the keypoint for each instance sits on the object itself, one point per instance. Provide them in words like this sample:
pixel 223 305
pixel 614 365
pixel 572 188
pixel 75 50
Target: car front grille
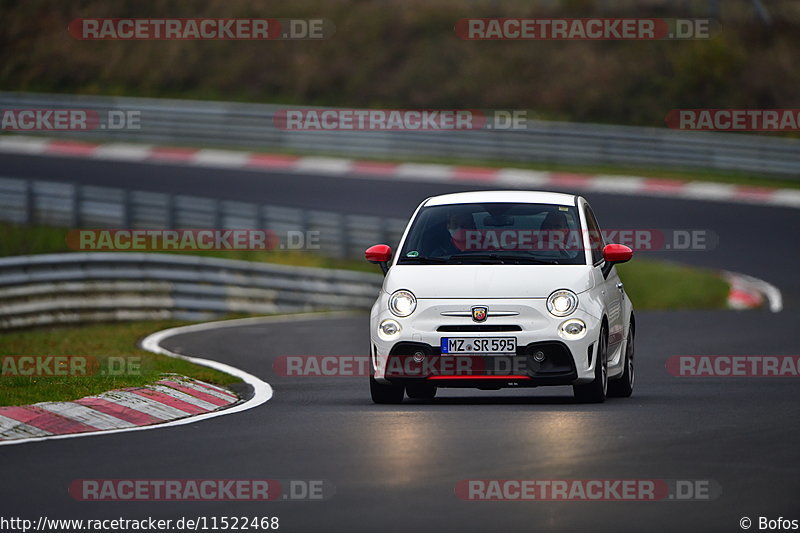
pixel 479 328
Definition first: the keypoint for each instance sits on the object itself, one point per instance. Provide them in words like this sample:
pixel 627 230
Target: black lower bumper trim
pixel 413 362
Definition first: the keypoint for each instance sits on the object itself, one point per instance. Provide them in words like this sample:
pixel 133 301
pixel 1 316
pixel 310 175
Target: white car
pixel 495 289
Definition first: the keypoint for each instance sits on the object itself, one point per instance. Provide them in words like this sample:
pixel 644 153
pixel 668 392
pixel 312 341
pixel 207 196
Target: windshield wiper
pixel 477 257
pixel 503 258
pixel 420 259
pixel 529 259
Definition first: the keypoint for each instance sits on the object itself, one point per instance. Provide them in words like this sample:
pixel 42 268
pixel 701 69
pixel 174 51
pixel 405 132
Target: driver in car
pixel 556 235
pixel 449 237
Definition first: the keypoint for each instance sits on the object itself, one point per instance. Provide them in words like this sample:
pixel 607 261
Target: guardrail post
pixel 77 206
pixel 305 221
pixel 170 215
pixel 383 231
pixel 30 211
pixel 127 209
pixel 217 214
pixel 263 221
pixel 344 235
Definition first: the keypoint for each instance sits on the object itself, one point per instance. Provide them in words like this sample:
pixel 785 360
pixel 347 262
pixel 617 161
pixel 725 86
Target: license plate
pixel 479 345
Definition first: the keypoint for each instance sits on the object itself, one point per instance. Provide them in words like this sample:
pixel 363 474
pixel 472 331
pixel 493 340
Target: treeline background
pixel 404 53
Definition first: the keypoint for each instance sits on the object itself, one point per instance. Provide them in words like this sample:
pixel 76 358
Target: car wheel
pixel 623 387
pixel 421 391
pixel 595 392
pixel 385 393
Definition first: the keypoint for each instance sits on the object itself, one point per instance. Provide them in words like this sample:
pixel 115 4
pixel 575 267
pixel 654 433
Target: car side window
pixel 595 236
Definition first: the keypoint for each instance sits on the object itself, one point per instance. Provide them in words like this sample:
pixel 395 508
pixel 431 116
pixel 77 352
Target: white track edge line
pixel 691 190
pixel 768 290
pixel 262 391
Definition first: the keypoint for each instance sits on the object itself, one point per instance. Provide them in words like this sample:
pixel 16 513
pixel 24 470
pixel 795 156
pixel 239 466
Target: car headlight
pixel 562 302
pixel 389 330
pixel 572 329
pixel 402 303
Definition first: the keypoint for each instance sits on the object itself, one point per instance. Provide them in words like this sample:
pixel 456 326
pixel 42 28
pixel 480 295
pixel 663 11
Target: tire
pixel 421 391
pixel 623 387
pixel 385 393
pixel 595 392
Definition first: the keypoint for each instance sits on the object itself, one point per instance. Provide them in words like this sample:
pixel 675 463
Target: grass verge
pixel 657 285
pixel 102 341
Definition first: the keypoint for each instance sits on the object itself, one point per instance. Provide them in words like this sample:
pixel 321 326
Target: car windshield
pixel 495 233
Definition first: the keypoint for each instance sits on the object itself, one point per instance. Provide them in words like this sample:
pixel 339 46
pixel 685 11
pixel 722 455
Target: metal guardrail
pixel 35 202
pixel 251 126
pixel 83 287
pixel 109 286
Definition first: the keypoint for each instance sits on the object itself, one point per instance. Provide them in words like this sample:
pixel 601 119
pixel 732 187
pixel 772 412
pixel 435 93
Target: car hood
pixel 488 281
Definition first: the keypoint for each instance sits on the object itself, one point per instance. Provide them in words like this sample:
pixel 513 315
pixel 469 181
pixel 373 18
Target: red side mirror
pixel 380 253
pixel 617 253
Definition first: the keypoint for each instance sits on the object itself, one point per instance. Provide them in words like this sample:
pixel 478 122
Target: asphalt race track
pixel 394 468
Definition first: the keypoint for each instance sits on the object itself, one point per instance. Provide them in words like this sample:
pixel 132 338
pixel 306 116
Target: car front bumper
pixel 415 354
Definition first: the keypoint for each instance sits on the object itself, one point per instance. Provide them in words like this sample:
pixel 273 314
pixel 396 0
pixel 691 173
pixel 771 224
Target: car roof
pixel 525 197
